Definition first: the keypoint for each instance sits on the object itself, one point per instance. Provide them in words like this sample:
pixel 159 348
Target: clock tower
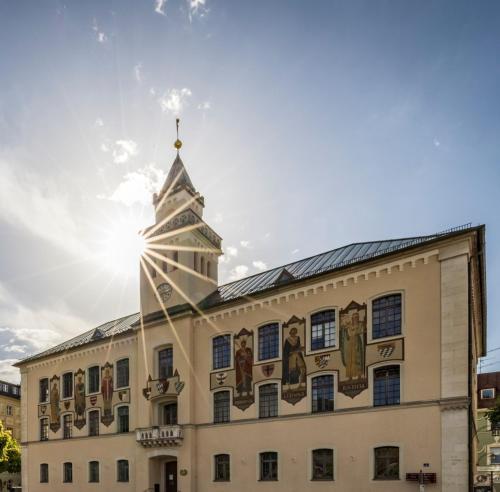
pixel 180 262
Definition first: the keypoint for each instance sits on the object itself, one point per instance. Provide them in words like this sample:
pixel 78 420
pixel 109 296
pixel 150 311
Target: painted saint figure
pixel 54 405
pixel 80 399
pixel 352 347
pixel 107 393
pixel 244 363
pixel 294 366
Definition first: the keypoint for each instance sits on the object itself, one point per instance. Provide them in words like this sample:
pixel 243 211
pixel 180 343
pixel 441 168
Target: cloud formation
pixel 160 6
pixel 138 72
pixel 174 100
pixel 238 272
pixel 260 265
pixel 124 150
pixel 232 251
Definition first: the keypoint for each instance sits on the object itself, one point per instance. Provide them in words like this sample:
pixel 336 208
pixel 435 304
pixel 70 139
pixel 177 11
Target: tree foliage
pixel 493 415
pixel 10 454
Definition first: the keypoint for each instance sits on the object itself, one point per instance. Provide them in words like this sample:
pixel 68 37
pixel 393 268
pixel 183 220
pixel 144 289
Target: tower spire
pixel 178 143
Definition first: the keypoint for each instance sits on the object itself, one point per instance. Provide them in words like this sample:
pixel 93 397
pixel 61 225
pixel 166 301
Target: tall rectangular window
pixel 322 394
pixel 94 423
pixel 9 410
pixel 494 455
pixel 386 386
pixel 67 426
pixel 221 351
pixel 67 472
pixel 44 390
pixel 386 463
pixel 93 471
pixel 322 464
pixel 122 419
pixel 386 316
pixel 269 341
pixel 323 332
pixel 122 471
pixel 222 468
pixel 93 379
pixel 221 407
pixel 166 363
pixel 122 373
pixel 268 400
pixel 269 466
pixel 67 389
pixel 44 429
pixel 44 473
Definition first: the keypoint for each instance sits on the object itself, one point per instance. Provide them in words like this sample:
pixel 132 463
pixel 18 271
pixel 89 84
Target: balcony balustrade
pixel 160 436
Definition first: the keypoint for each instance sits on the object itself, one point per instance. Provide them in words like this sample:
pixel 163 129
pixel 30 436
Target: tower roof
pixel 177 179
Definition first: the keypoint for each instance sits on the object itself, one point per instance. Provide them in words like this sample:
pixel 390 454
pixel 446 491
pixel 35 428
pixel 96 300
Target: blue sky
pixel 306 126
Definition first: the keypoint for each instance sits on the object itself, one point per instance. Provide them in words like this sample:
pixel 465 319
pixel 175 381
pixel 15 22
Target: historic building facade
pixel 344 371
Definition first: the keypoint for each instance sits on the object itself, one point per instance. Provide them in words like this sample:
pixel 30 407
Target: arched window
pixel 93 379
pixel 269 341
pixel 122 422
pixel 44 473
pixel 195 261
pixel 202 265
pixel 386 316
pixel 67 472
pixel 122 471
pixel 386 386
pixel 93 471
pixel 221 407
pixel 221 351
pixel 386 462
pixel 166 363
pixel 44 429
pixel 322 464
pixel 169 414
pixel 268 400
pixel 322 394
pixel 122 373
pixel 222 468
pixel 94 423
pixel 209 269
pixel 268 466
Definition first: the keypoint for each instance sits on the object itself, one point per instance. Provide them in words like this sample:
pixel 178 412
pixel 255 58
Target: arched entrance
pixel 163 471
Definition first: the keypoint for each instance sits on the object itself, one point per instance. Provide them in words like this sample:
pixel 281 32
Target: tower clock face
pixel 165 291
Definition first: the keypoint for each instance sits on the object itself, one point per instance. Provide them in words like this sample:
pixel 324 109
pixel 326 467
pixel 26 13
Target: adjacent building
pixel 344 371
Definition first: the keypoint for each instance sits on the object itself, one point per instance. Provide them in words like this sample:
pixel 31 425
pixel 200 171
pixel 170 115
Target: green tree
pixel 493 415
pixel 10 454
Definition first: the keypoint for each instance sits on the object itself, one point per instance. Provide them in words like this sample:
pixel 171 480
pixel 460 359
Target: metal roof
pixel 291 272
pixel 106 330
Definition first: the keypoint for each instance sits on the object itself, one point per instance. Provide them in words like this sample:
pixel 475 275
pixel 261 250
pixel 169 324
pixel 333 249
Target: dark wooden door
pixel 171 476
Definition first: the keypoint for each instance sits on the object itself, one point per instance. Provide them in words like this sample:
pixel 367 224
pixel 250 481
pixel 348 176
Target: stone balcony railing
pixel 160 436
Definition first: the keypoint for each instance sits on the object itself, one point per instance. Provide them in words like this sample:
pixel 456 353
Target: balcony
pixel 160 436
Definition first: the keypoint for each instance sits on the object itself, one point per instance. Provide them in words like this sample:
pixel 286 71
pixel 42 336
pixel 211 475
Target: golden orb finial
pixel 177 143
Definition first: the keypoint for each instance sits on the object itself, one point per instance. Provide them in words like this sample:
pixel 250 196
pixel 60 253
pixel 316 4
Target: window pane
pixel 122 471
pixel 322 394
pixel 323 331
pixel 166 363
pixel 67 426
pixel 268 401
pixel 221 407
pixel 221 347
pixel 269 341
pixel 323 464
pixel 269 466
pixel 44 390
pixel 222 471
pixel 67 472
pixel 170 414
pixel 495 456
pixel 122 373
pixel 94 471
pixel 93 379
pixel 387 463
pixel 67 385
pixel 44 473
pixel 386 386
pixel 386 316
pixel 44 429
pixel 94 423
pixel 122 419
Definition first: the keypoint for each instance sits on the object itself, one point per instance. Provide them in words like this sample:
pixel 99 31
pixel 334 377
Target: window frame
pixel 47 399
pixel 308 344
pixel 118 461
pixel 369 316
pixel 63 417
pixel 373 461
pixel 157 351
pixel 311 377
pixel 231 351
pixel 70 397
pixel 488 389
pixel 257 359
pixel 214 468
pixel 492 446
pixel 268 382
pixel 64 480
pixel 98 472
pixel 128 371
pixel 259 465
pixel 230 404
pixel 45 467
pixel 118 425
pixel 89 411
pixel 41 437
pixel 310 457
pixel 87 371
pixel 371 381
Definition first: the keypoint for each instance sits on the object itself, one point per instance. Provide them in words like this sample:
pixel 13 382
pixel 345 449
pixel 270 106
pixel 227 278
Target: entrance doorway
pixel 171 476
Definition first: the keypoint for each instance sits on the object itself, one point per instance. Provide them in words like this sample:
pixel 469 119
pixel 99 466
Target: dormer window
pixel 488 394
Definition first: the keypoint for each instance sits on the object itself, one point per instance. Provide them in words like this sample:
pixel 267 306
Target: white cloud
pixel 98 122
pixel 238 272
pixel 260 265
pixel 196 7
pixel 101 37
pixel 138 186
pixel 35 204
pixel 245 244
pixel 232 251
pixel 20 349
pixel 104 147
pixel 9 373
pixel 160 6
pixel 152 91
pixel 175 100
pixel 205 105
pixel 295 251
pixel 218 218
pixel 138 72
pixel 124 150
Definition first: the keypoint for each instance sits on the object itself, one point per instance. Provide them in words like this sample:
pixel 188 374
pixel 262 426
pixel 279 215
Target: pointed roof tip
pixel 177 178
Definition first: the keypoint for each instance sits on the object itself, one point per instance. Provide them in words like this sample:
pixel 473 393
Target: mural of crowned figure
pixel 346 371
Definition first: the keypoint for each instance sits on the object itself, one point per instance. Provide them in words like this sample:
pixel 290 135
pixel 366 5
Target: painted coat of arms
pixel 353 380
pixel 294 376
pixel 243 363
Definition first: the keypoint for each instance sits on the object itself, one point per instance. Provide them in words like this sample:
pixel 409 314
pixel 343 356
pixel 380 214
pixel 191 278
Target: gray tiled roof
pixel 302 269
pixel 106 330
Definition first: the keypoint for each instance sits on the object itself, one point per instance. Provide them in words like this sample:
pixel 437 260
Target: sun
pixel 121 246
